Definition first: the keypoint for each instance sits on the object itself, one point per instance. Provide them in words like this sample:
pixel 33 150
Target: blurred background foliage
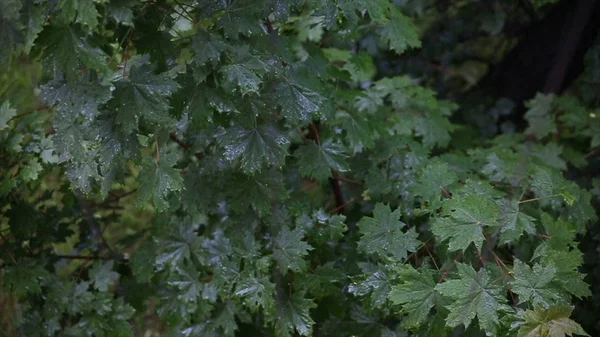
pixel 491 57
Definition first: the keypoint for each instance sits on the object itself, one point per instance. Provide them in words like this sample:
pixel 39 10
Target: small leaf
pixel 400 32
pixel 539 116
pixel 382 234
pixel 6 113
pixel 257 147
pixel 294 314
pixel 462 221
pixel 318 161
pixel 474 294
pixel 551 322
pixel 432 183
pixel 416 294
pixel 290 250
pixel 102 275
pixel 157 181
pixel 534 284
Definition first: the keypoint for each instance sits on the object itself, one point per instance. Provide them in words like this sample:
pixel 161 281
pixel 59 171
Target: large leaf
pixel 463 220
pixel 551 322
pixel 382 234
pixel 473 294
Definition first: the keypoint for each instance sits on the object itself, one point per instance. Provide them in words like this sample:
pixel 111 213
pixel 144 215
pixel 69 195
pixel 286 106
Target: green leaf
pixel 30 171
pixel 463 220
pixel 23 278
pixel 400 32
pixel 376 8
pixel 318 161
pixel 188 281
pixel 157 181
pixel 6 113
pixel 432 183
pixel 142 96
pixel 80 11
pixel 310 28
pixel 551 322
pixel 382 234
pixel 102 275
pixel 67 51
pixel 258 147
pixel 374 282
pixel 539 116
pixel 84 97
pixel 297 100
pixel 534 285
pixel 244 74
pixel 290 250
pixel 416 294
pixel 294 314
pixel 257 293
pixel 182 243
pixel 513 222
pixel 474 294
pixel 142 262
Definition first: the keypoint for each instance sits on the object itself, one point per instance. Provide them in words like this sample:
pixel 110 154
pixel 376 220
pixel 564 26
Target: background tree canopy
pixel 299 168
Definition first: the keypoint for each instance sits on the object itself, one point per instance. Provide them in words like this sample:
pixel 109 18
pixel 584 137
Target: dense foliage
pixel 288 168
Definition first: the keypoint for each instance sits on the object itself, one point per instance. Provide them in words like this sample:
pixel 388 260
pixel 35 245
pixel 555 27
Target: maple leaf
pixel 81 11
pixel 382 234
pixel 376 8
pixel 6 113
pixel 539 116
pixel 23 278
pixel 318 160
pixel 188 280
pixel 400 32
pixel 374 282
pixel 474 294
pixel 142 94
pixel 551 322
pixel 245 73
pixel 142 262
pixel 534 284
pixel 297 97
pixel 182 243
pixel 294 314
pixel 462 221
pixel 70 50
pixel 257 293
pixel 102 275
pixel 513 222
pixel 264 145
pixel 208 47
pixel 157 180
pixel 85 96
pixel 416 294
pixel 432 183
pixel 290 250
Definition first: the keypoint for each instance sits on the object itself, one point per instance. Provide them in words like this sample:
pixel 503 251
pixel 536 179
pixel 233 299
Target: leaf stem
pixel 538 198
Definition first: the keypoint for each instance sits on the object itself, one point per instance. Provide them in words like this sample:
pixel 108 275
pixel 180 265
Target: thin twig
pixel 337 209
pixel 431 256
pixel 538 198
pixel 450 268
pixel 89 257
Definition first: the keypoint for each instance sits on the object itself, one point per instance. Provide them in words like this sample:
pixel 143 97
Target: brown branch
pixel 117 198
pixel 337 209
pixel 450 268
pixel 183 145
pixel 348 180
pixel 337 192
pixel 89 257
pixel 431 256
